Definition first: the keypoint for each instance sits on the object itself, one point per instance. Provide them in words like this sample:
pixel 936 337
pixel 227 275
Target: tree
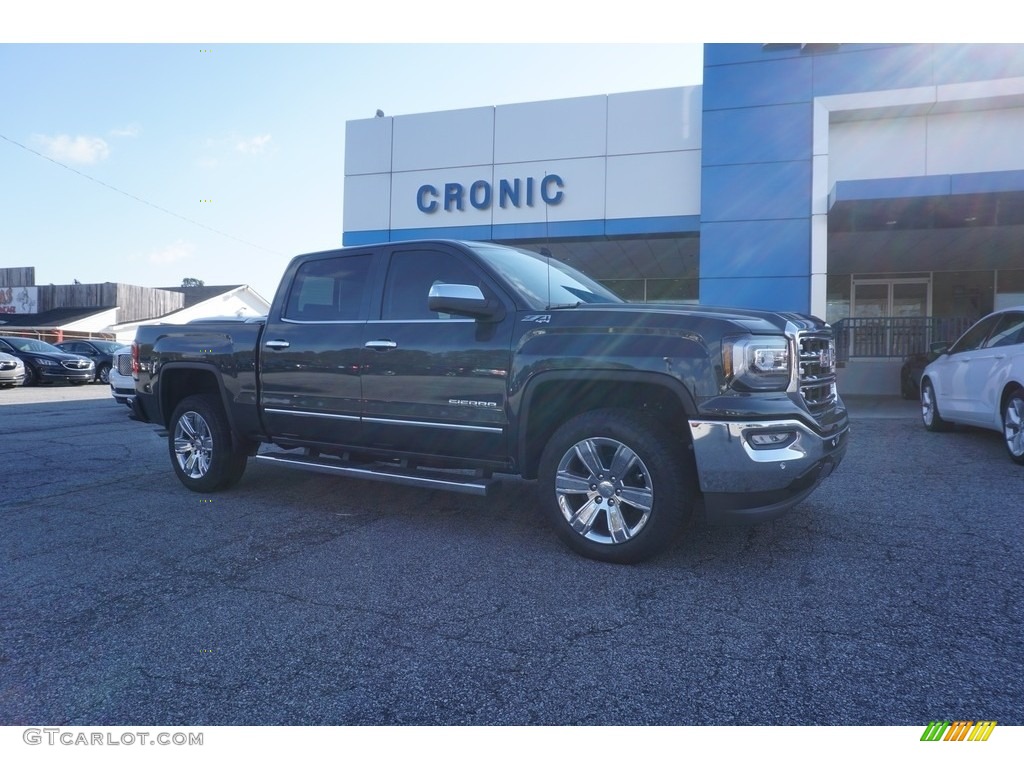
pixel 192 282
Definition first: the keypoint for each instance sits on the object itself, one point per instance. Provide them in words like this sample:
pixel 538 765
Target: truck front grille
pixel 124 364
pixel 817 369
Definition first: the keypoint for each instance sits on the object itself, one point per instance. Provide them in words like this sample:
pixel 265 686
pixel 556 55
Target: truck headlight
pixel 757 363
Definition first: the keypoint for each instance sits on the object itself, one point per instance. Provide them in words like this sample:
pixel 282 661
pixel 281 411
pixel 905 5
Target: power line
pixel 138 199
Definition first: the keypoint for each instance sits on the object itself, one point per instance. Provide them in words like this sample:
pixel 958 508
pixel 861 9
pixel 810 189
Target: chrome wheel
pixel 604 490
pixel 193 445
pixel 597 476
pixel 1013 426
pixel 104 374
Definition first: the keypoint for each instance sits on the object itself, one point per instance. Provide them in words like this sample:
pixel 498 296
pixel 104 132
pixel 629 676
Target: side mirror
pixel 937 349
pixel 465 300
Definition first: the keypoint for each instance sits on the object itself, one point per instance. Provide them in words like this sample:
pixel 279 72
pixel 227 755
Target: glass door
pixel 890 317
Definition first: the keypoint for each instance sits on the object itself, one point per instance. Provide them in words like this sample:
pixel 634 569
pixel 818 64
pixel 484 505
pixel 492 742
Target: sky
pixel 146 163
pixel 208 141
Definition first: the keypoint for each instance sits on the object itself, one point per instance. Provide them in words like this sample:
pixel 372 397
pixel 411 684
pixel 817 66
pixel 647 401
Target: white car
pixel 979 380
pixel 12 370
pixel 122 383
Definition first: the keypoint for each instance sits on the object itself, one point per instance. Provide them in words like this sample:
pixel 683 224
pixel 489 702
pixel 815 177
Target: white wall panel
pixel 367 202
pixel 976 141
pixel 550 129
pixel 942 143
pixel 582 191
pixel 405 214
pixel 368 146
pixel 659 184
pixel 877 149
pixel 444 139
pixel 664 120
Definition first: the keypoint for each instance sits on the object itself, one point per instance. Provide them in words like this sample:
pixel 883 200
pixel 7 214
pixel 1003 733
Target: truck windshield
pixel 544 281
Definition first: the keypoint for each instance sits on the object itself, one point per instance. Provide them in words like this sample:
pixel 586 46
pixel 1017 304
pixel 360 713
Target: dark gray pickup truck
pixel 441 363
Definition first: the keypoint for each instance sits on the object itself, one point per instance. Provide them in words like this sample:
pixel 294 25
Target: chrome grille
pixel 124 364
pixel 817 368
pixel 77 365
pixel 7 365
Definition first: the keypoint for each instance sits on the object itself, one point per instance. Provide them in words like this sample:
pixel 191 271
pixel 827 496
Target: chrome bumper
pixel 740 479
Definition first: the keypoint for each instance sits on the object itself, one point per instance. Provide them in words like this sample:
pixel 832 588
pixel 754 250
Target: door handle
pixel 276 344
pixel 380 344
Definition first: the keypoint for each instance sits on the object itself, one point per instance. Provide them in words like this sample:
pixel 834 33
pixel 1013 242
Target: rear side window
pixel 975 335
pixel 1009 331
pixel 329 290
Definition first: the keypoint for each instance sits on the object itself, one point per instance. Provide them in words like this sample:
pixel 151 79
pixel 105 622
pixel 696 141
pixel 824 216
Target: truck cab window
pixel 410 277
pixel 328 290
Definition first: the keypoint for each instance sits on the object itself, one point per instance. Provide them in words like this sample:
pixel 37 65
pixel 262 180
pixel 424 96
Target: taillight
pixel 135 359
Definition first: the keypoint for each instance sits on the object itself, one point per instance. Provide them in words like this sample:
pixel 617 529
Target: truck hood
pixel 752 320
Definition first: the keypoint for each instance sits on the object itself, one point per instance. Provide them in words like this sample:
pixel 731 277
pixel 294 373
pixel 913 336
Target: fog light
pixel 770 439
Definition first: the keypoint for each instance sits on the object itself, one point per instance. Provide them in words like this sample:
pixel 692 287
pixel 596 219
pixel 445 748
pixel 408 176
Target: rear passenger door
pixel 309 363
pixel 986 370
pixel 432 383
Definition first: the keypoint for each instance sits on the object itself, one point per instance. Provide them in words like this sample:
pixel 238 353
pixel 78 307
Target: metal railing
pixel 894 336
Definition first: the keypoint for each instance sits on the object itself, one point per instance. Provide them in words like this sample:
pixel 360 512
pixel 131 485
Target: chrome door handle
pixel 380 344
pixel 276 344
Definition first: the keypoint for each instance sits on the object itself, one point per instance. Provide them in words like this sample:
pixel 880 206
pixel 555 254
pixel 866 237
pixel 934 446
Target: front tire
pixel 103 374
pixel 933 421
pixel 203 453
pixel 1013 425
pixel 616 485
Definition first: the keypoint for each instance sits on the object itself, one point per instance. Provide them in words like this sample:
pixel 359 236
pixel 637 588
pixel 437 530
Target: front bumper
pixel 54 375
pixel 122 395
pixel 741 481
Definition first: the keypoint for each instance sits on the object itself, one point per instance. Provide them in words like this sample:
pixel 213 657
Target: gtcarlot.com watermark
pixel 72 738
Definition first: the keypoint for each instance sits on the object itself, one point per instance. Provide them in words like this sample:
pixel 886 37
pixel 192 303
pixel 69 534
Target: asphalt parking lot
pixel 892 596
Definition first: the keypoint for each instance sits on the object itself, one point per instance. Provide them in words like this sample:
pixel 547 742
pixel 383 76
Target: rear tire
pixel 203 452
pixel 616 485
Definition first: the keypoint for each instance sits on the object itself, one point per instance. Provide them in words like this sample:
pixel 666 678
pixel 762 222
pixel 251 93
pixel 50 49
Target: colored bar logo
pixel 960 730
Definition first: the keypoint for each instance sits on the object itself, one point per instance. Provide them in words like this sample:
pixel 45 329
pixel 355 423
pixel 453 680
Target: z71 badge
pixel 537 319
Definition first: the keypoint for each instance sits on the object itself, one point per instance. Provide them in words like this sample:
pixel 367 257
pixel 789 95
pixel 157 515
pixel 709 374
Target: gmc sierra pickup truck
pixel 440 364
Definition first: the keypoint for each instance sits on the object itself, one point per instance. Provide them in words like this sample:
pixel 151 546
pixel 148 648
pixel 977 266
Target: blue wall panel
pixel 737 53
pixel 366 237
pixel 993 181
pixel 480 232
pixel 778 248
pixel 756 192
pixel 749 85
pixel 784 294
pixel 757 135
pixel 889 189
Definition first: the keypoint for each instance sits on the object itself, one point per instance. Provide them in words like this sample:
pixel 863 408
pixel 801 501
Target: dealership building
pixel 880 187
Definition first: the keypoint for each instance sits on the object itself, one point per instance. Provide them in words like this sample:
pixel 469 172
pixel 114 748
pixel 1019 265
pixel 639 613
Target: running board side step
pixel 391 473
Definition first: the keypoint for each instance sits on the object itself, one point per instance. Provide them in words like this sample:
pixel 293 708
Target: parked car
pixel 44 363
pixel 100 351
pixel 913 370
pixel 979 380
pixel 122 384
pixel 12 370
